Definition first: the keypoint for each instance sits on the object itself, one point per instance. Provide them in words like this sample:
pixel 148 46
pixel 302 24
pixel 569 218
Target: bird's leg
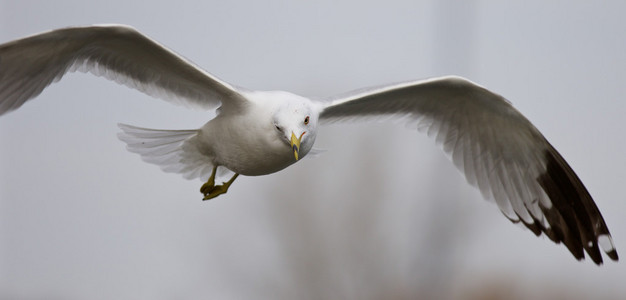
pixel 216 190
pixel 210 184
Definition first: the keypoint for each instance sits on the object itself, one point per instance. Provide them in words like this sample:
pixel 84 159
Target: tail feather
pixel 167 149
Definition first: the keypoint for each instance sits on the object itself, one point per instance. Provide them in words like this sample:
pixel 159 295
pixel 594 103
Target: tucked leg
pixel 210 184
pixel 210 190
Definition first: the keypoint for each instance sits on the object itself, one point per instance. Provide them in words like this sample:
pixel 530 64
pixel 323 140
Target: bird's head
pixel 295 121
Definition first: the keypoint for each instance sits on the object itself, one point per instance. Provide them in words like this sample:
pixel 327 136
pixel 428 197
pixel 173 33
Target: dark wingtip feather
pixel 574 217
pixel 534 227
pixel 613 255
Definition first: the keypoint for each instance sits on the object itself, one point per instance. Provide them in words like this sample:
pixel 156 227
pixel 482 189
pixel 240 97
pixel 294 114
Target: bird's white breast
pixel 245 143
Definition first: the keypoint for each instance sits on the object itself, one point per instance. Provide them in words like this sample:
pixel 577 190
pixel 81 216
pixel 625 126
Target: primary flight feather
pixel 261 132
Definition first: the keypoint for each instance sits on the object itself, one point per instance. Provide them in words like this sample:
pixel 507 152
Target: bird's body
pixel 238 139
pixel 261 132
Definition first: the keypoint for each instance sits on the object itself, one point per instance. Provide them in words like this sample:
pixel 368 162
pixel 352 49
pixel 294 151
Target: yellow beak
pixel 295 143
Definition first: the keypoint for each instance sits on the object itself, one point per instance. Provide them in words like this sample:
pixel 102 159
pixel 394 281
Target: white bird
pixel 262 132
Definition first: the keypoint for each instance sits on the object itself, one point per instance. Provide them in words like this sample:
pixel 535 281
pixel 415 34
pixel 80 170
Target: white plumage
pixel 260 132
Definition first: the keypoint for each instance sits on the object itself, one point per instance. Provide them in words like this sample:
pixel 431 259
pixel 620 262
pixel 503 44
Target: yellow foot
pixel 207 187
pixel 215 191
pixel 210 190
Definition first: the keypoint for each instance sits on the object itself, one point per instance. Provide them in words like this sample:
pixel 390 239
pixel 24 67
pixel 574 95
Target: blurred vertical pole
pixel 438 251
pixel 454 35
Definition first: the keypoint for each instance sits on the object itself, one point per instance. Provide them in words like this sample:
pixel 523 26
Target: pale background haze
pixel 381 214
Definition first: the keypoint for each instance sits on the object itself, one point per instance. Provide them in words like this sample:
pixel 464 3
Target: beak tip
pixel 295 144
pixel 295 151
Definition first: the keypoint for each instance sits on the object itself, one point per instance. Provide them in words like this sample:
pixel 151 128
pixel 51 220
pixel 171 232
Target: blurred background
pixel 381 215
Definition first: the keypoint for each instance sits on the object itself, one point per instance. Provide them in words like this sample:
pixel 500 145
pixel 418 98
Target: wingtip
pixel 599 261
pixel 613 255
pixel 574 214
pixel 606 243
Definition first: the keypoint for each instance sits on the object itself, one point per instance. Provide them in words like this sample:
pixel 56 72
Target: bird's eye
pixel 306 120
pixel 278 128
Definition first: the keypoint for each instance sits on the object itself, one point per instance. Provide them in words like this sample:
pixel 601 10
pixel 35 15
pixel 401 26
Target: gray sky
pixel 80 217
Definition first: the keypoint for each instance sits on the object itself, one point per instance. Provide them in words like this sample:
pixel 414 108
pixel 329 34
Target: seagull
pixel 261 132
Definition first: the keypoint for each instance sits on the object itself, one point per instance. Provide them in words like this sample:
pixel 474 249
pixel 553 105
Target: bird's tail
pixel 167 149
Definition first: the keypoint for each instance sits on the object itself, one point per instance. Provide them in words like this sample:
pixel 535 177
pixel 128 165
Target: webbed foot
pixel 210 190
pixel 215 191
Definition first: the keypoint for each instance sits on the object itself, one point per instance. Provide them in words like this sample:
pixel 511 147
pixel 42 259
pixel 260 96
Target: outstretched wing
pixel 118 53
pixel 498 150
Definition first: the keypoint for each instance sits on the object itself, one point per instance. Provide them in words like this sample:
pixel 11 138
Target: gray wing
pixel 498 150
pixel 116 52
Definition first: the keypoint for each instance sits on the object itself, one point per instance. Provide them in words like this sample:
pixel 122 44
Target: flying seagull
pixel 262 132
